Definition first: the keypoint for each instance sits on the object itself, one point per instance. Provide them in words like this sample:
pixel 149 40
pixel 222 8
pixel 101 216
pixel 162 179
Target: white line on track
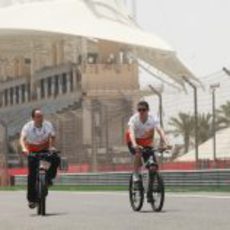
pixel 207 196
pixel 173 195
pixel 176 195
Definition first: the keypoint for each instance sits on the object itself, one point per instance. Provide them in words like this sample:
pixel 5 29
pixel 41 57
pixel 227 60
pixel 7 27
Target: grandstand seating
pixel 15 117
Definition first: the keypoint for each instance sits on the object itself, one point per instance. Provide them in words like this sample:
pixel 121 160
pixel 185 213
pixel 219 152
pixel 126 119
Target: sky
pixel 197 29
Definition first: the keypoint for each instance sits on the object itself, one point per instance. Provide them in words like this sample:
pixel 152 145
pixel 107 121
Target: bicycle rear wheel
pixel 42 187
pixel 136 193
pixel 157 192
pixel 41 209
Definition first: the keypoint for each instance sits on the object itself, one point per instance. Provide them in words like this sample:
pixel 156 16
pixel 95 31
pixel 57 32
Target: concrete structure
pixel 79 62
pixel 103 86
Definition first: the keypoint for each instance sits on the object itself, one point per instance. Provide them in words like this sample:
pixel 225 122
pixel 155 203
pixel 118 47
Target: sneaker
pixel 136 177
pixel 32 205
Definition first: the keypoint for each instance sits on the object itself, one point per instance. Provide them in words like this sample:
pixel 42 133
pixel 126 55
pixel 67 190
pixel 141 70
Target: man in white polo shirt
pixel 38 135
pixel 141 129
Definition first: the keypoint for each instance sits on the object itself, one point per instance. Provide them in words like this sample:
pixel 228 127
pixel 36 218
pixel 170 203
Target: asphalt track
pixel 111 210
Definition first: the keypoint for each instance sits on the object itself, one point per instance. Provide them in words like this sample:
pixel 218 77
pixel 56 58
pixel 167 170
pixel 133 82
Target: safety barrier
pixel 218 177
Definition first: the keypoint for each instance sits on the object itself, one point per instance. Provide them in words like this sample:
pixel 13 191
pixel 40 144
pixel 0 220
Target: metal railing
pixel 189 178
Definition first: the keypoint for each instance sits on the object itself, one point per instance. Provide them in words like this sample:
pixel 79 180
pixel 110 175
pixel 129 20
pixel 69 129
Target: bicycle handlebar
pixel 162 149
pixel 159 149
pixel 44 153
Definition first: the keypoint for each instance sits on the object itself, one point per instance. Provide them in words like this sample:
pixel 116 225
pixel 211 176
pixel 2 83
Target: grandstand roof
pixel 206 149
pixel 100 19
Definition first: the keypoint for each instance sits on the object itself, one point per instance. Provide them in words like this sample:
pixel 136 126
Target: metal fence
pixel 213 107
pixel 189 178
pixel 98 139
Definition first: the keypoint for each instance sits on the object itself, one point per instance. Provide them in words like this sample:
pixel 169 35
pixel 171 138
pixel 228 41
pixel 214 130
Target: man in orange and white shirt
pixel 38 135
pixel 141 128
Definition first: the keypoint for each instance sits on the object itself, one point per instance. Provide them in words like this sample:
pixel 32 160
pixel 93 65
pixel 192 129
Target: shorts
pixel 147 152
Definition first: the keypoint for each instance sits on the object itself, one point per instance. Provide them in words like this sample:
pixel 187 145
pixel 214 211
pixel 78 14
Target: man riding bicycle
pixel 38 136
pixel 141 128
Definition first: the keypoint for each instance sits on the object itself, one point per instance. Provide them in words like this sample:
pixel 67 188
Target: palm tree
pixel 183 125
pixel 223 115
pixel 204 127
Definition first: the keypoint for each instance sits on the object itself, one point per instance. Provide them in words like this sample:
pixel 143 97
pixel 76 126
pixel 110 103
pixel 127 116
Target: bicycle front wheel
pixel 136 193
pixel 41 209
pixel 157 192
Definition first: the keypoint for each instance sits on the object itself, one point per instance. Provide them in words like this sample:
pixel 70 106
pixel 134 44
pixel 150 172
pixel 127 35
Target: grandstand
pixel 80 64
pixel 3 154
pixel 206 149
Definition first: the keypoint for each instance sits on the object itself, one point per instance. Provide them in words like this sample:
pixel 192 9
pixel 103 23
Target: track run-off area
pixel 111 210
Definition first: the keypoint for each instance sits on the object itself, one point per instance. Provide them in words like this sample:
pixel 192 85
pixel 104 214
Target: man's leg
pixel 154 168
pixel 31 185
pixel 152 171
pixel 137 162
pixel 52 172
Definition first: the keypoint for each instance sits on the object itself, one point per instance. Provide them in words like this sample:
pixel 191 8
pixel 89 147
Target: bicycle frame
pixel 155 195
pixel 41 180
pixel 151 166
pixel 44 165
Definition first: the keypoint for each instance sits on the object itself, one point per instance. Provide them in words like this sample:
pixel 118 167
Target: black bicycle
pixel 155 190
pixel 42 180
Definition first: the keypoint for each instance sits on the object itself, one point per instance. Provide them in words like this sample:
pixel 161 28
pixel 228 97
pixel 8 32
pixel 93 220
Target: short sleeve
pixel 51 129
pixel 131 122
pixel 156 121
pixel 24 131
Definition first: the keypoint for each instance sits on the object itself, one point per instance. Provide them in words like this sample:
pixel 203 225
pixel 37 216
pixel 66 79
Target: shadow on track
pixel 151 211
pixel 51 214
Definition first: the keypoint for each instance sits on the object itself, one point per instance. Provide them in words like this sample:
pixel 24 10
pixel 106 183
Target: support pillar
pixel 74 78
pixel 53 86
pixel 68 83
pixel 14 96
pixel 45 88
pixel 59 85
pixel 38 89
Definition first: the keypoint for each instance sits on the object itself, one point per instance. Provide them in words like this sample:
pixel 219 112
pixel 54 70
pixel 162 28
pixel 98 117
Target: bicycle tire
pixel 41 210
pixel 158 188
pixel 43 206
pixel 140 190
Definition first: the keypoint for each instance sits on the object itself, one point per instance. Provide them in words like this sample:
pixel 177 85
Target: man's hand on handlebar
pixel 52 149
pixel 165 147
pixel 25 152
pixel 138 149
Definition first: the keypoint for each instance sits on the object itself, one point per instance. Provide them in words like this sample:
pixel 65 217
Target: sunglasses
pixel 141 109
